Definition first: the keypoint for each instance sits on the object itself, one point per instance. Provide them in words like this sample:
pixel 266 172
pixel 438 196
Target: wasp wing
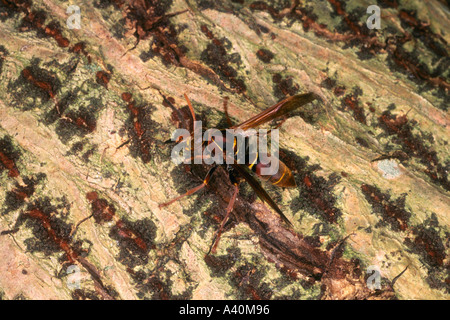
pixel 280 109
pixel 262 194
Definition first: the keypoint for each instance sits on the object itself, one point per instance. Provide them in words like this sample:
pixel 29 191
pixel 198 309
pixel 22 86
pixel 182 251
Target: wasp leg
pixel 202 157
pixel 193 190
pixel 225 108
pixel 190 107
pixel 230 206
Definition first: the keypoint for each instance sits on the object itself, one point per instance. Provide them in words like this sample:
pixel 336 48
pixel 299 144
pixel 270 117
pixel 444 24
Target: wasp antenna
pixel 408 111
pixel 190 106
pixel 398 276
pixel 337 248
pixel 225 108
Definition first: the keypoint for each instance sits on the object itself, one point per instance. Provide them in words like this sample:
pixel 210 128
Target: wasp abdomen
pixel 282 178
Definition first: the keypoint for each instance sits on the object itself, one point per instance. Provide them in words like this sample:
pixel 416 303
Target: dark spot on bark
pixel 315 193
pixel 156 285
pixel 9 155
pixel 77 123
pixel 34 87
pixel 351 102
pixel 89 153
pixel 248 281
pixel 3 54
pixel 135 237
pixel 263 29
pixel 50 229
pixel 84 294
pixel 284 87
pixel 391 212
pixel 219 265
pixel 421 30
pixel 103 78
pixel 102 211
pixel 264 55
pixel 273 8
pixel 9 9
pixel 126 96
pixel 328 83
pixel 135 240
pixel 399 127
pixel 34 20
pixel 339 91
pixel 15 198
pixel 217 58
pixel 140 128
pixel 103 4
pixel 429 244
pixel 426 241
pixel 362 142
pixel 76 148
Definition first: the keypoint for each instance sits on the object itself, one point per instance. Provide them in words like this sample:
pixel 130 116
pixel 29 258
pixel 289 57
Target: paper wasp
pixel 238 171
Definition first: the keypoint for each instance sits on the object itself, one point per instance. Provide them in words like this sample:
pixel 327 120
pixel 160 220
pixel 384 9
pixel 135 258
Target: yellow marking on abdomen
pixel 284 173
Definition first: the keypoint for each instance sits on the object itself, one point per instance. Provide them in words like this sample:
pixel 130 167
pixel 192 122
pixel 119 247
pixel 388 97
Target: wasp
pixel 252 170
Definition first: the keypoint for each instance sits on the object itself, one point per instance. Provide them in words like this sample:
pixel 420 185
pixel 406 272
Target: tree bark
pixel 85 114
